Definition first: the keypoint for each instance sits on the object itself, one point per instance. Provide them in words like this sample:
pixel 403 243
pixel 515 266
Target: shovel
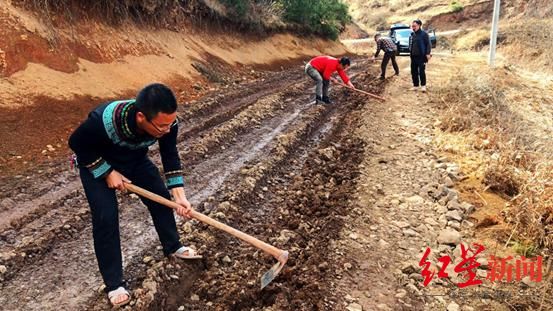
pixel 357 90
pixel 280 255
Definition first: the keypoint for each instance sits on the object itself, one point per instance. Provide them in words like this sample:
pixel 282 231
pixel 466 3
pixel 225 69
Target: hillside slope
pixel 465 26
pixel 96 59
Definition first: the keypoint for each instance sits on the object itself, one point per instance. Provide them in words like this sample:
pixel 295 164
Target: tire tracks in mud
pixel 56 221
pixel 49 253
pixel 296 199
pixel 294 204
pixel 56 203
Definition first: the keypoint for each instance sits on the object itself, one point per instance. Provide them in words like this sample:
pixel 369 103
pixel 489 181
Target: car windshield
pixel 403 33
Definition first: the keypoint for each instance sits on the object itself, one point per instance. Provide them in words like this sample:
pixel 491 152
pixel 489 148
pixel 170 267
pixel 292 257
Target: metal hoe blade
pixel 271 274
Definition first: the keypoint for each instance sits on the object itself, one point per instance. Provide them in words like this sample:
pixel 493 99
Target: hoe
pixel 358 90
pixel 280 255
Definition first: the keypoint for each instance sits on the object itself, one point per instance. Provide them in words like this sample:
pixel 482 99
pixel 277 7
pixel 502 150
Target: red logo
pixel 500 269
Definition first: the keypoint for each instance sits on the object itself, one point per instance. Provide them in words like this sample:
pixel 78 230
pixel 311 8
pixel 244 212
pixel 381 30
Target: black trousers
pixel 387 57
pixel 418 67
pixel 105 217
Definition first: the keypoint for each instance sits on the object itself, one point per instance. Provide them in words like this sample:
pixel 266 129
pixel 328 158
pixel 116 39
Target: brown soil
pixel 86 57
pixel 268 117
pixel 354 31
pixel 61 51
pixel 22 145
pixel 23 151
pixel 319 181
pixel 471 15
pixel 317 189
pixel 350 189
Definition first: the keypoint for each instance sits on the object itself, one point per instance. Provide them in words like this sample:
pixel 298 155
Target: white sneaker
pixel 423 89
pixel 414 88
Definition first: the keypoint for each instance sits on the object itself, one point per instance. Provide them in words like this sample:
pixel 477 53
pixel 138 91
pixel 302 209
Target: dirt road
pixel 238 147
pixel 356 191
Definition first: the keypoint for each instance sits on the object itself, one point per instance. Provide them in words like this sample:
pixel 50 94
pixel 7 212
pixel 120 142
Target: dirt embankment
pixel 469 16
pixel 92 58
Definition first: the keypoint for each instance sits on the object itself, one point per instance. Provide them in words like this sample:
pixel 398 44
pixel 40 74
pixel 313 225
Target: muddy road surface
pixel 260 157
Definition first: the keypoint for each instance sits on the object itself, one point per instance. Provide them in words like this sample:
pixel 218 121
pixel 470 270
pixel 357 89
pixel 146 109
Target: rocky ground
pixel 406 202
pixel 409 198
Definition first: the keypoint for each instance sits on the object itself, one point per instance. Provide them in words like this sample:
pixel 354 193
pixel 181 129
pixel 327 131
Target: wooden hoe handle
pixel 269 249
pixel 361 91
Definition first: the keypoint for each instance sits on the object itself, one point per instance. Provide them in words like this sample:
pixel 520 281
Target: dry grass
pixel 532 210
pixel 256 16
pixel 527 42
pixel 377 22
pixel 478 106
pixel 472 101
pixel 503 177
pixel 161 13
pixel 378 14
pixel 486 113
pixel 473 40
pixel 269 13
pixel 539 8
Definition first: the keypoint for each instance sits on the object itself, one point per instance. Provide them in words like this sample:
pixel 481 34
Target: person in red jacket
pixel 321 68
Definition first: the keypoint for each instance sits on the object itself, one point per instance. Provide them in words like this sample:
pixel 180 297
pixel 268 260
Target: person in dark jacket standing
pixel 420 51
pixel 390 50
pixel 111 145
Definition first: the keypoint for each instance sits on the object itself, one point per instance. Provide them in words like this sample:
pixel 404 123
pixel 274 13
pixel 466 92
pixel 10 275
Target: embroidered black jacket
pixel 109 137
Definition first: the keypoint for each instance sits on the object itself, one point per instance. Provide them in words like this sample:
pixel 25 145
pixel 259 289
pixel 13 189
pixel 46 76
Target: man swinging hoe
pixel 111 146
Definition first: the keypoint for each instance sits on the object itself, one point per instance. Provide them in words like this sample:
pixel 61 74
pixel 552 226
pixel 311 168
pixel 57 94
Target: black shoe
pixel 319 100
pixel 396 74
pixel 326 100
pixel 381 78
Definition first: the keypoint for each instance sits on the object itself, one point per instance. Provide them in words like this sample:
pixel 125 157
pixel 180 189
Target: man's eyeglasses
pixel 166 128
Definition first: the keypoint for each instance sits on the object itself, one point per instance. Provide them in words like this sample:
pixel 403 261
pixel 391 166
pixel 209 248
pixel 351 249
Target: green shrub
pixel 325 17
pixel 237 8
pixel 456 6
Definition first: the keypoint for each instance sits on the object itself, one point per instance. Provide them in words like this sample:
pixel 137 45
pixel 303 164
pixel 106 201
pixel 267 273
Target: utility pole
pixel 493 36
